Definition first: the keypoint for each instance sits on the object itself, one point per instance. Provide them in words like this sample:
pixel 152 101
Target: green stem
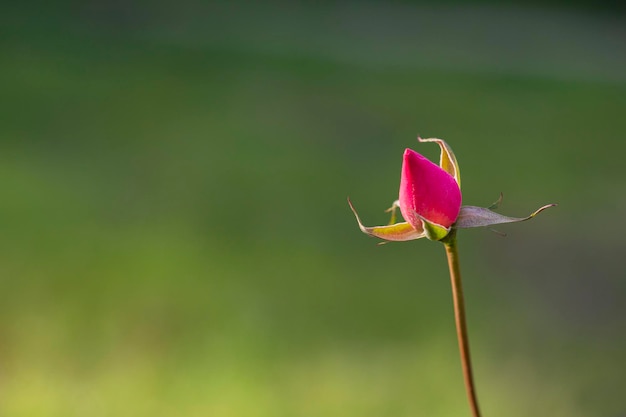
pixel 459 316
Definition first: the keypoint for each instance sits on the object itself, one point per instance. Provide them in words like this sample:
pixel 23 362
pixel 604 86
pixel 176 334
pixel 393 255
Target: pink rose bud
pixel 427 192
pixel 430 201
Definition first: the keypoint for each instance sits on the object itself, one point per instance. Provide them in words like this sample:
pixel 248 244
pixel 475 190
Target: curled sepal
pixel 398 232
pixel 471 216
pixel 447 161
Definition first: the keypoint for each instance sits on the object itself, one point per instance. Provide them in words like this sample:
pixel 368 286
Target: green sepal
pixel 434 231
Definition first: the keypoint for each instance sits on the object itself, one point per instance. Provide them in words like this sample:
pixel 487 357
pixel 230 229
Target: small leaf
pixel 471 216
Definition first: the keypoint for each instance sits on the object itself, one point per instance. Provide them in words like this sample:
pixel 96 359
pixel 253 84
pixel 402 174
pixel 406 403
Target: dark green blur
pixel 175 237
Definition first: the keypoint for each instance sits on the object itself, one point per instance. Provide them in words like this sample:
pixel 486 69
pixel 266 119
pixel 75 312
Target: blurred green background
pixel 175 237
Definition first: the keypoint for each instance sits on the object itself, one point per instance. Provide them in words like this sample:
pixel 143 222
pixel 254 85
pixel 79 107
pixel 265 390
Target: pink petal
pixel 428 191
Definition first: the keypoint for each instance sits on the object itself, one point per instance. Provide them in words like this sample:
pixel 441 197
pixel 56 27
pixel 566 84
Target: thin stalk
pixel 459 316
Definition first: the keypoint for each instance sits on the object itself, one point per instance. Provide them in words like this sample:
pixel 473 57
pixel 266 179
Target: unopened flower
pixel 430 201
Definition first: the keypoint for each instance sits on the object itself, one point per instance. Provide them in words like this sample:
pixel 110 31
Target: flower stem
pixel 459 316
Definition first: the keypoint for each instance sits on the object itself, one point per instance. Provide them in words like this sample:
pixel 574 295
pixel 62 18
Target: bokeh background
pixel 174 232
